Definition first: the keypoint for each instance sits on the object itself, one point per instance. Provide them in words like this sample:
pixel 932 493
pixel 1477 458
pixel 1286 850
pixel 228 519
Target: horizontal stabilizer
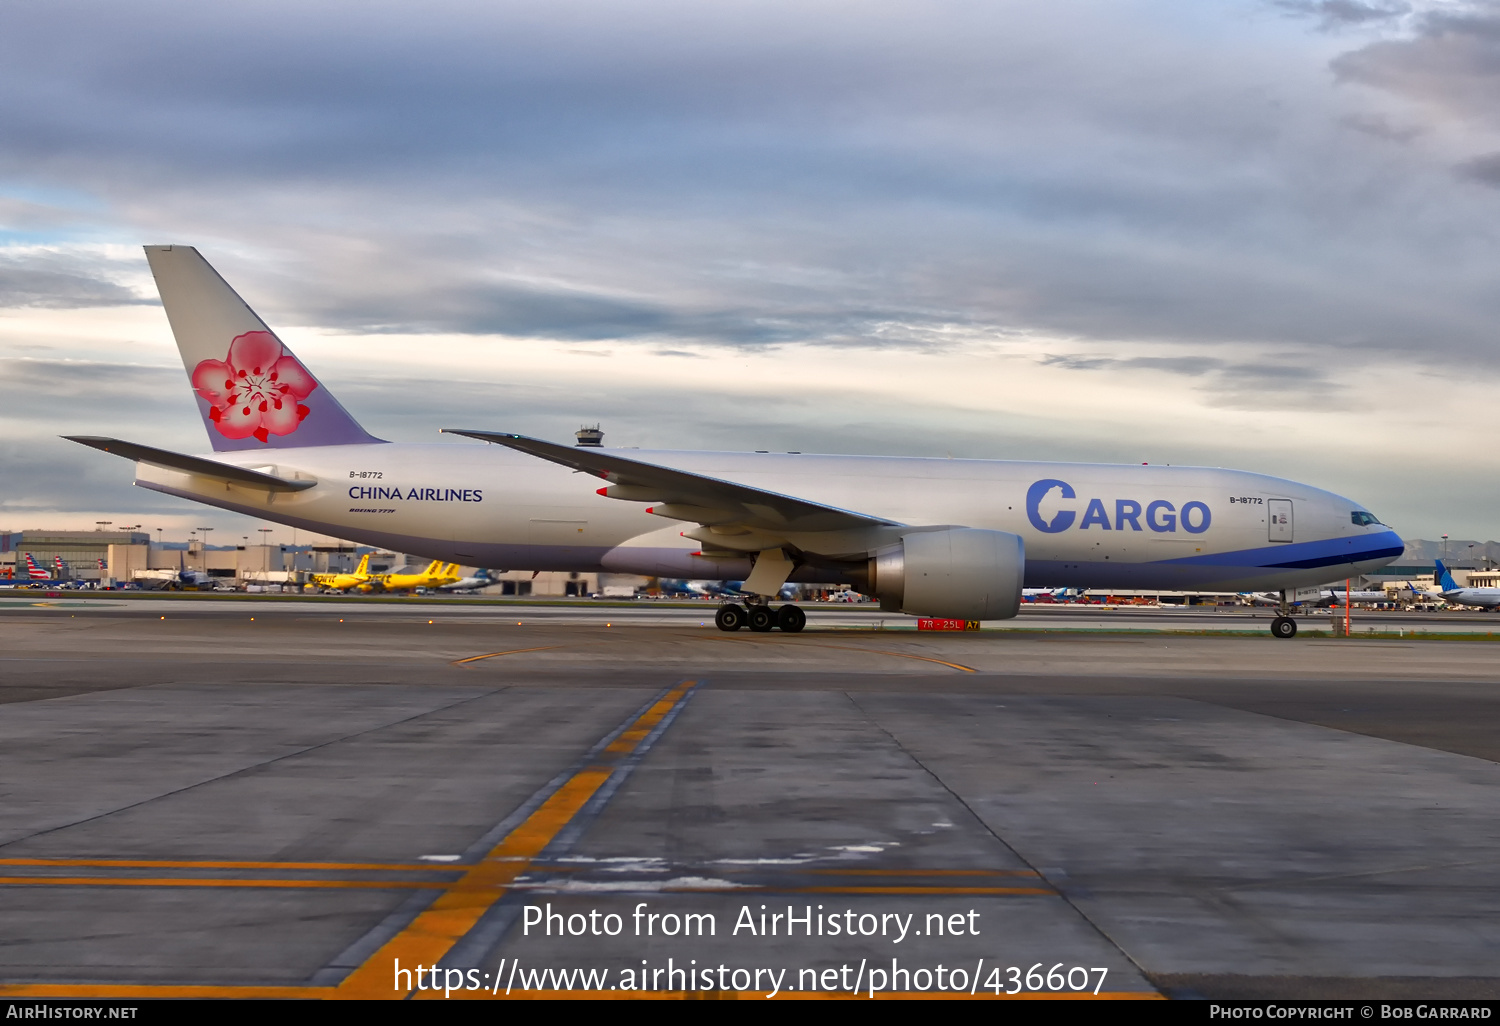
pixel 190 464
pixel 725 500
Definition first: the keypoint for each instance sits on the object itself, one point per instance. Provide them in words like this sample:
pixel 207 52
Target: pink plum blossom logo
pixel 257 390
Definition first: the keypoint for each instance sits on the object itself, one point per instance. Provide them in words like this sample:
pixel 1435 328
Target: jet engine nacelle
pixel 956 573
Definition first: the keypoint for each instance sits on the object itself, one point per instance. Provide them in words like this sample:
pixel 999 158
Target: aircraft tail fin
pixel 1445 578
pixel 363 569
pixel 252 392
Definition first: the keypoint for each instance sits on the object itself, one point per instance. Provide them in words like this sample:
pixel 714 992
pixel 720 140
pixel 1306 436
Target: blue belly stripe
pixel 1302 555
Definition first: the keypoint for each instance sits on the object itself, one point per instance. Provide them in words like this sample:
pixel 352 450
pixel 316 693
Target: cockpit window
pixel 1362 519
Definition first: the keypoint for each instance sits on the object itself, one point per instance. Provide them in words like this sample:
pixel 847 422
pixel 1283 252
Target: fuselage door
pixel 1279 519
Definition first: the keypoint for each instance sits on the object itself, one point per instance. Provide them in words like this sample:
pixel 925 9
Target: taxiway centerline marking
pixel 205 881
pixel 157 991
pixel 798 871
pixel 775 889
pixel 923 872
pixel 851 648
pixel 908 890
pixel 459 908
pixel 330 867
pixel 901 655
pixel 512 651
pixel 196 881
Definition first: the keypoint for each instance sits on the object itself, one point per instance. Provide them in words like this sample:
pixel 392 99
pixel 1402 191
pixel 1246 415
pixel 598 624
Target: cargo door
pixel 1279 518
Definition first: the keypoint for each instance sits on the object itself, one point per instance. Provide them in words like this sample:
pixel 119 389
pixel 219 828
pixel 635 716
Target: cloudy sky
pixel 1249 233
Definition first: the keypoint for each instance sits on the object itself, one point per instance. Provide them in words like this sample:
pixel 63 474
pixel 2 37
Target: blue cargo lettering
pixel 1187 523
pixel 1034 496
pixel 1161 517
pixel 1094 515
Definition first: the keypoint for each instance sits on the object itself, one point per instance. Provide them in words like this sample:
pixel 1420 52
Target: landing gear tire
pixel 791 619
pixel 761 619
pixel 730 617
pixel 1284 627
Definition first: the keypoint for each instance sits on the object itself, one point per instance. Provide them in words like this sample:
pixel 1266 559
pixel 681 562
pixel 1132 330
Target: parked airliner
pixel 948 538
pixel 480 578
pixel 1485 598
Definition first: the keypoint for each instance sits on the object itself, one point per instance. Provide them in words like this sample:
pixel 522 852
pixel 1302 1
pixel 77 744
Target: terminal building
pixel 109 558
pixel 84 553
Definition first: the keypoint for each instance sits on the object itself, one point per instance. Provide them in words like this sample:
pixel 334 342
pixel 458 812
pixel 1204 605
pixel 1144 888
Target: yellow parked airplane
pixel 435 576
pixel 343 582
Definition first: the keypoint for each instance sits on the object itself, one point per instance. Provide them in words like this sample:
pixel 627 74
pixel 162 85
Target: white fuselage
pixel 1085 525
pixel 1485 598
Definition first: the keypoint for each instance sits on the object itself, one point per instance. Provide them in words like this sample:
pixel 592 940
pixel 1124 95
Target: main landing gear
pixel 760 618
pixel 1283 626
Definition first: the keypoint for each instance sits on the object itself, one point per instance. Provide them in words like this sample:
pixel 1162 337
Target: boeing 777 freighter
pixel 956 539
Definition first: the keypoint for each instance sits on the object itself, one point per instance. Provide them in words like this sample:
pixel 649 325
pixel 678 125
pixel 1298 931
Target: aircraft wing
pixel 684 495
pixel 190 464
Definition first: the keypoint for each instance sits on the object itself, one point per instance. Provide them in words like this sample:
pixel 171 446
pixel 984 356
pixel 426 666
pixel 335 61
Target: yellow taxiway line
pixel 210 881
pixel 455 912
pixel 492 655
pixel 328 867
pixel 901 655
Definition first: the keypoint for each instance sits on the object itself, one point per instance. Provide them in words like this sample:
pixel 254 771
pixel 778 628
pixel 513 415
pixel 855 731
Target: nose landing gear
pixel 760 618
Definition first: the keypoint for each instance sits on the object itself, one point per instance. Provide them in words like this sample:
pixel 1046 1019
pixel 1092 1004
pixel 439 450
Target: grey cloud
pixel 1340 13
pixel 1193 366
pixel 43 475
pixel 688 178
pixel 1277 387
pixel 92 384
pixel 18 214
pixel 750 177
pixel 42 399
pixel 1381 127
pixel 1081 362
pixel 1450 60
pixel 27 287
pixel 1248 385
pixel 487 309
pixel 1484 170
